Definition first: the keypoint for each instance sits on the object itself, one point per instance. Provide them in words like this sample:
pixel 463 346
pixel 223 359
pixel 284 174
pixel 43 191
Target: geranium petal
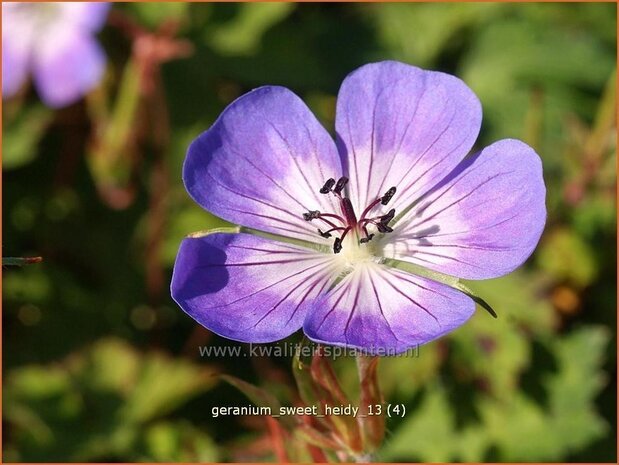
pixel 17 39
pixel 385 311
pixel 247 288
pixel 67 65
pixel 399 125
pixel 482 221
pixel 89 16
pixel 262 164
pixel 14 66
pixel 402 126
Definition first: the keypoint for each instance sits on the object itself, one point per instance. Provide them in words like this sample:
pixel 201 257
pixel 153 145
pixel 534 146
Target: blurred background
pixel 99 364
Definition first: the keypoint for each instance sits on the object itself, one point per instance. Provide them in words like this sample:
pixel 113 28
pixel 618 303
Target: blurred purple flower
pixel 54 42
pixel 402 139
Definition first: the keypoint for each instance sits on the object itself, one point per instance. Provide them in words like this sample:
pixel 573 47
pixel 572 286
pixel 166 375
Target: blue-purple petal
pixel 87 16
pixel 14 66
pixel 398 125
pixel 67 67
pixel 262 164
pixel 385 311
pixel 482 221
pixel 247 288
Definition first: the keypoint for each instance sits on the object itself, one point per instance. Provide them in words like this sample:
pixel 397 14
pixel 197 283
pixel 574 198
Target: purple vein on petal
pixel 275 183
pixel 404 134
pixel 445 129
pixel 311 287
pixel 380 308
pixel 332 308
pixel 395 288
pixel 273 262
pixel 352 310
pixel 264 288
pixel 468 194
pixel 423 252
pixel 354 152
pixel 311 188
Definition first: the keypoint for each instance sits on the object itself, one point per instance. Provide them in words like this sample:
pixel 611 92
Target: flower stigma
pixel 352 235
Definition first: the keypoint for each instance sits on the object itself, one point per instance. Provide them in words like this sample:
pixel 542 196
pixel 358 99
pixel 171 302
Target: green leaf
pixel 258 396
pixel 242 35
pixel 566 256
pixel 165 11
pixel 178 442
pixel 434 25
pixel 427 434
pixel 22 134
pixel 97 403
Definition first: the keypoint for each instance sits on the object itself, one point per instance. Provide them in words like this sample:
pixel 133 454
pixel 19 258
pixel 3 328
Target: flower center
pixel 345 224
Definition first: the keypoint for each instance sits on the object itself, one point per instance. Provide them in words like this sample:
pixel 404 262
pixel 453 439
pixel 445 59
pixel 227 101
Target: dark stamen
pixel 364 240
pixel 387 197
pixel 341 183
pixel 311 215
pixel 328 233
pixel 328 186
pixel 388 217
pixel 348 218
pixel 337 245
pixel 383 228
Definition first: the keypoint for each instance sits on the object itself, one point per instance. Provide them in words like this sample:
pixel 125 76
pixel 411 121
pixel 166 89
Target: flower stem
pixel 371 418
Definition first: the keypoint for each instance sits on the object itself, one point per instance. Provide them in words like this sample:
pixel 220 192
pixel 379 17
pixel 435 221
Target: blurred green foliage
pixel 100 364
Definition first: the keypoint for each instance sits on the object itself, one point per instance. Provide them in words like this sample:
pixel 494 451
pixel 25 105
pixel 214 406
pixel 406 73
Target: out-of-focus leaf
pixel 21 135
pixel 511 57
pixel 242 34
pixel 495 351
pixel 405 375
pixel 178 442
pixel 258 396
pixel 427 433
pixel 418 33
pixel 573 389
pixel 97 403
pixel 516 300
pixel 112 151
pixel 565 256
pixel 515 426
pixel 30 284
pixel 524 431
pixel 162 385
pixel 183 221
pixel 165 11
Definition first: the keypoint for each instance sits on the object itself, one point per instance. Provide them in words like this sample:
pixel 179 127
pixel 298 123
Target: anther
pixel 388 217
pixel 383 228
pixel 341 183
pixel 337 245
pixel 311 215
pixel 324 234
pixel 367 239
pixel 388 195
pixel 328 186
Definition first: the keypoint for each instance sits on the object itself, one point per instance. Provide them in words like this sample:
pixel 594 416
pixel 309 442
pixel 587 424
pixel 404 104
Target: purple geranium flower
pixel 332 226
pixel 53 41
